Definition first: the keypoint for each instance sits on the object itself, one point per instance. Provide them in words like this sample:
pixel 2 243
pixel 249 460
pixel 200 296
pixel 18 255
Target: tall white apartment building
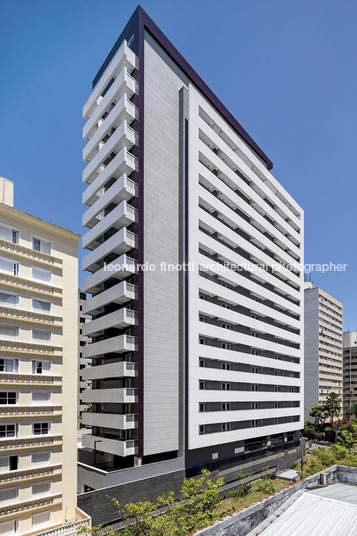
pixel 323 347
pixel 38 374
pixel 349 370
pixel 190 367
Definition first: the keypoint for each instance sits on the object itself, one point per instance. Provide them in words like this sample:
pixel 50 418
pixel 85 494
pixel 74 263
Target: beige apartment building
pixel 349 369
pixel 323 346
pixel 38 374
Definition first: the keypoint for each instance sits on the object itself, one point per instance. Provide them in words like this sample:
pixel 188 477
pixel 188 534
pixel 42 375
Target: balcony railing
pixel 29 379
pixel 29 316
pixel 29 474
pixel 30 505
pixel 23 347
pixel 30 411
pixel 27 284
pixel 38 256
pixel 72 527
pixel 29 442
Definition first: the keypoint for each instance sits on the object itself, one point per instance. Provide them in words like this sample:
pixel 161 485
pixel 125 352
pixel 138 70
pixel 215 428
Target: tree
pixel 320 413
pixel 352 411
pixel 333 408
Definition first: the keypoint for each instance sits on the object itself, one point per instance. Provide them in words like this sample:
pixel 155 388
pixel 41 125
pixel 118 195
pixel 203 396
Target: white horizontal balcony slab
pixel 123 189
pixel 215 395
pixel 234 337
pixel 240 319
pixel 235 278
pixel 120 268
pixel 207 440
pixel 110 420
pixel 124 56
pixel 119 243
pixel 219 375
pixel 222 354
pixel 229 256
pixel 234 219
pixel 119 344
pixel 247 171
pixel 213 417
pixel 119 395
pixel 111 446
pixel 118 319
pixel 114 144
pixel 121 216
pixel 251 249
pixel 118 120
pixel 124 369
pixel 120 293
pixel 122 163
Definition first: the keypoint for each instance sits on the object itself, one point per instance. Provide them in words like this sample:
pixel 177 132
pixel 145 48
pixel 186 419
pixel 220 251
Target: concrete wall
pixel 163 81
pixel 311 360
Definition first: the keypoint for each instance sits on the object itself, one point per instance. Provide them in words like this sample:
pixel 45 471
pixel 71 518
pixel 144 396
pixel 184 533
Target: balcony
pixel 120 116
pixel 30 474
pixel 118 269
pixel 29 316
pixel 82 521
pixel 123 189
pixel 122 369
pixel 21 412
pixel 119 395
pixel 11 444
pixel 123 163
pixel 119 344
pixel 111 446
pixel 120 293
pixel 34 256
pixel 118 319
pixel 27 284
pixel 121 216
pixel 29 348
pixel 7 378
pixel 33 505
pixel 114 144
pixel 121 242
pixel 109 420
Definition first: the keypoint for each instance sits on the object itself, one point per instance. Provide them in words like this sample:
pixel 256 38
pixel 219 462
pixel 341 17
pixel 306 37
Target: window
pixel 225 346
pixel 255 352
pixel 38 459
pixel 8 397
pixel 225 386
pixel 9 528
pixel 278 404
pixel 203 363
pixel 203 385
pixel 9 365
pixel 41 489
pixel 202 341
pixel 225 406
pixel 255 423
pixel 41 520
pixel 8 234
pixel 255 370
pixel 225 426
pixel 41 335
pixel 255 405
pixel 225 366
pixel 255 387
pixel 41 428
pixel 202 429
pixel 41 397
pixel 8 463
pixel 8 496
pixel 41 305
pixel 38 244
pixel 9 299
pixel 9 267
pixel 41 367
pixel 9 332
pixel 41 275
pixel 202 406
pixel 8 430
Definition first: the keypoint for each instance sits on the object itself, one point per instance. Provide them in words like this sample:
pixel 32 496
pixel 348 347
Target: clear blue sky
pixel 285 69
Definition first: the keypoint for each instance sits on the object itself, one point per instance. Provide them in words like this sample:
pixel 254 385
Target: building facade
pixel 38 370
pixel 197 353
pixel 83 363
pixel 323 347
pixel 349 370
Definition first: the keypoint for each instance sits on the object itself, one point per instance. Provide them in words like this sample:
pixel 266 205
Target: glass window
pixel 39 459
pixel 8 365
pixel 8 430
pixel 9 528
pixel 43 397
pixel 41 520
pixel 41 245
pixel 8 496
pixel 8 234
pixel 9 267
pixel 41 489
pixel 8 299
pixel 8 332
pixel 41 367
pixel 41 428
pixel 40 305
pixel 8 397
